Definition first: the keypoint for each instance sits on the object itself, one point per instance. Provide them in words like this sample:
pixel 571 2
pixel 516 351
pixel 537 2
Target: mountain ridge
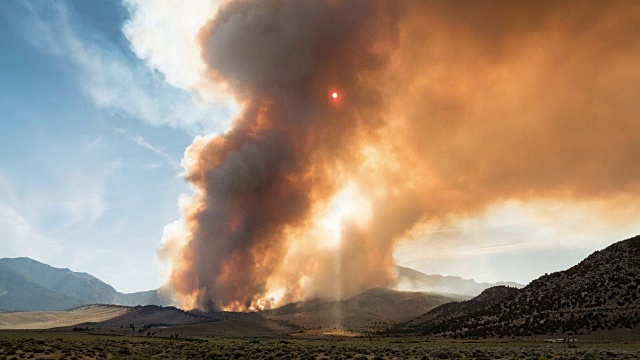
pixel 29 285
pixel 373 308
pixel 598 293
pixel 414 280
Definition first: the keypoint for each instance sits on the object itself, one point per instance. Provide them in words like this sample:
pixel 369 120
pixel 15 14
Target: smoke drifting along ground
pixel 445 108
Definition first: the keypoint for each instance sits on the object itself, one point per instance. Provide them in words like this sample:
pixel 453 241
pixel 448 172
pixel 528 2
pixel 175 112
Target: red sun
pixel 335 95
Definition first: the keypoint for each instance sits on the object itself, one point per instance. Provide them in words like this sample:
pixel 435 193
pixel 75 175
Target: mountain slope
pixel 412 280
pixel 599 293
pixel 372 307
pixel 453 310
pixel 82 287
pixel 141 298
pixel 28 285
pixel 19 292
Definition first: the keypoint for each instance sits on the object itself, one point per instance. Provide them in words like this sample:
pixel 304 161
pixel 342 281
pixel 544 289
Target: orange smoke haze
pixel 444 109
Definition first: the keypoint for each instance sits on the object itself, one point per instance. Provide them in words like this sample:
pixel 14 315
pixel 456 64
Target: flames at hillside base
pixel 308 195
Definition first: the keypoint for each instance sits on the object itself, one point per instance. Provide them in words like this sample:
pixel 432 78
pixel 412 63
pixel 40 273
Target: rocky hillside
pixel 453 310
pixel 412 280
pixel 28 285
pixel 599 293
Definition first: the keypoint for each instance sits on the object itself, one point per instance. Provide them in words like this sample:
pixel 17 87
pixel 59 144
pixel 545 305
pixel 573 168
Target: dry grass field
pixel 56 345
pixel 52 319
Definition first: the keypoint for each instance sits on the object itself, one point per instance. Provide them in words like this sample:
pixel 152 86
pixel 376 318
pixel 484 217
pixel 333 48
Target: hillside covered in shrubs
pixel 600 293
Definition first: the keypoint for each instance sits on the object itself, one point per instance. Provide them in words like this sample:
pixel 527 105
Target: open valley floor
pixel 30 344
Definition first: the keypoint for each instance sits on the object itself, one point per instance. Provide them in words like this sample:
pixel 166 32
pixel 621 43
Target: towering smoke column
pixel 259 186
pixel 441 110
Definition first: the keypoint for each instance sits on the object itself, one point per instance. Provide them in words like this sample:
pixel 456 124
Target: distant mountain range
pixel 600 293
pixel 28 285
pixel 412 280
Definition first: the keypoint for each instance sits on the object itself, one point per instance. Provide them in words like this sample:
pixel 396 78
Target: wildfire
pixel 297 199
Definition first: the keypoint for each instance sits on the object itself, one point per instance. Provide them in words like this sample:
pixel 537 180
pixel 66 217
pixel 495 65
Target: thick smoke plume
pixel 444 109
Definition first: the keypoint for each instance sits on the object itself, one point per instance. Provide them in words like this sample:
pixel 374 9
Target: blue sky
pixel 90 142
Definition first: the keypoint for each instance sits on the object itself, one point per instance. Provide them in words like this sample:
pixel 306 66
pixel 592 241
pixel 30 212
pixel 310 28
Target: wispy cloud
pixel 97 143
pixel 113 79
pixel 142 142
pixel 23 238
pixel 153 165
pixel 514 241
pixel 86 205
pixel 20 235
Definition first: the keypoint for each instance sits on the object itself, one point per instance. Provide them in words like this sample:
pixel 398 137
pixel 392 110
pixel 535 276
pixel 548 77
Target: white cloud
pixel 117 82
pixel 164 34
